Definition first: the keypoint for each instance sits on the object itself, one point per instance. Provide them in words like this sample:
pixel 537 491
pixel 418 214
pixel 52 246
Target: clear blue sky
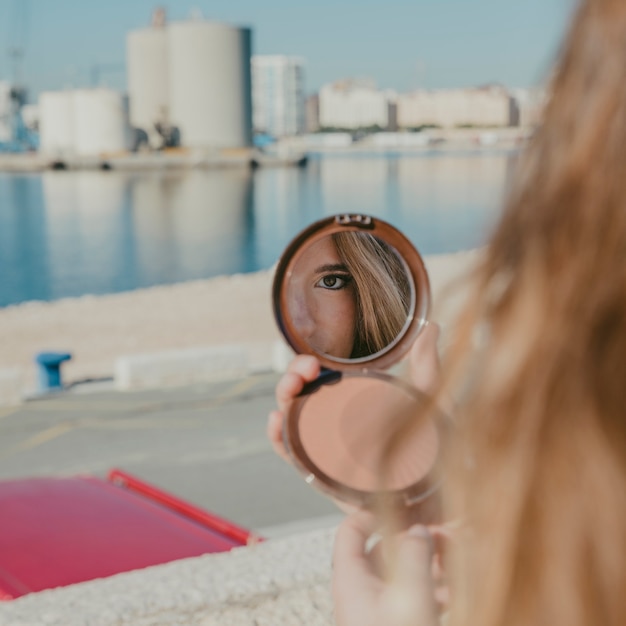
pixel 401 44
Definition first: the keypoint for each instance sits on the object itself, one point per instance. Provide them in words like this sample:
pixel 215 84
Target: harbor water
pixel 66 234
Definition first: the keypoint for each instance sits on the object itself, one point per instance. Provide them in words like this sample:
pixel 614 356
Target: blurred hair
pixel 382 290
pixel 538 469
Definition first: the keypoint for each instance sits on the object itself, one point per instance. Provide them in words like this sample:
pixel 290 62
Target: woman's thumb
pixel 415 555
pixel 410 597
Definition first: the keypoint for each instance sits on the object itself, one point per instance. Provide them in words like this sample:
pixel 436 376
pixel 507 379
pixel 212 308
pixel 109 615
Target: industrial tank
pixel 56 123
pixel 100 122
pixel 6 133
pixel 210 84
pixel 148 86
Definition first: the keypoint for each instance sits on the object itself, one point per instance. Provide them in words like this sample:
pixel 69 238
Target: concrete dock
pixel 168 159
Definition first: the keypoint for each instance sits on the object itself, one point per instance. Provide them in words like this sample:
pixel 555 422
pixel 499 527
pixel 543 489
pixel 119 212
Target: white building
pixel 6 110
pixel 195 76
pixel 529 104
pixel 83 122
pixel 351 104
pixel 278 95
pixel 148 84
pixel 449 108
pixel 312 113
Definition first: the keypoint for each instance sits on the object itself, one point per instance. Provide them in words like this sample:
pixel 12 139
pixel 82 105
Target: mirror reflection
pixel 349 295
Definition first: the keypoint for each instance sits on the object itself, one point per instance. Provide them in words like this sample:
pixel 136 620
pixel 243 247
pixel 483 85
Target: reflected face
pixel 322 303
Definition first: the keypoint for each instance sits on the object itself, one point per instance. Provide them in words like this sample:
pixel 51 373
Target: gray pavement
pixel 205 443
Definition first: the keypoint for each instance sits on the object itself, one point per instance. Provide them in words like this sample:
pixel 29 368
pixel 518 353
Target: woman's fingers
pixel 415 554
pixel 400 593
pixel 275 434
pixel 353 534
pixel 301 370
pixel 352 568
pixel 410 598
pixel 306 366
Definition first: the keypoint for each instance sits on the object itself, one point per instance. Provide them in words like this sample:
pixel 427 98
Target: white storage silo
pixel 56 123
pixel 100 122
pixel 148 86
pixel 210 84
pixel 5 111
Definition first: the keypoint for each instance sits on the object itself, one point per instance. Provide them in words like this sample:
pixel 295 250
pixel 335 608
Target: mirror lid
pixel 414 265
pixel 325 478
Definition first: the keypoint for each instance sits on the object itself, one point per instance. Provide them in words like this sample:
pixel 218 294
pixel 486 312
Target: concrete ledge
pixel 184 367
pixel 276 583
pixel 11 381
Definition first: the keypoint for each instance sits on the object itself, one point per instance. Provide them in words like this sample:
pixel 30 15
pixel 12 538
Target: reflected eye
pixel 334 281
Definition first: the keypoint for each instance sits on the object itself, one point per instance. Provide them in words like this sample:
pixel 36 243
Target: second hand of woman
pixel 363 594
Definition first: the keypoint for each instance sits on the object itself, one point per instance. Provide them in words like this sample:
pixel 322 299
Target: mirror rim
pixel 413 262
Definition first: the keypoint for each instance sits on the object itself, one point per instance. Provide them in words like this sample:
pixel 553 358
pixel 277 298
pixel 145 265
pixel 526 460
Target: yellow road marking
pixel 40 438
pixel 230 393
pixel 240 387
pixel 129 423
pixel 87 406
pixel 134 423
pixel 8 411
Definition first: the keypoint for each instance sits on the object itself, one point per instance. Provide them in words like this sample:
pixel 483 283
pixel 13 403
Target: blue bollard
pixel 49 369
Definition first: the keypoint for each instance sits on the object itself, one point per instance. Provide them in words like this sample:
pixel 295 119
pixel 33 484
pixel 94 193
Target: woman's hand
pixel 303 369
pixel 366 593
pixel 363 594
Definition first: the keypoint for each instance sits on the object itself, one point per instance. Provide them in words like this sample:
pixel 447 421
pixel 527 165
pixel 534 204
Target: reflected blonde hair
pixel 381 287
pixel 538 467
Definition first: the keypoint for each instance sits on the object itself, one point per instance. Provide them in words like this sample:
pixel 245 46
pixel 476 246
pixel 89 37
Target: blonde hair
pixel 538 464
pixel 382 290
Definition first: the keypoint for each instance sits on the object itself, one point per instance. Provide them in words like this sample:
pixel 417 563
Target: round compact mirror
pixel 353 291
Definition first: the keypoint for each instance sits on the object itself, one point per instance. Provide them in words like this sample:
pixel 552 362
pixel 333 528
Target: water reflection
pixel 24 266
pixel 70 233
pixel 88 232
pixel 464 193
pixel 362 183
pixel 284 201
pixel 193 224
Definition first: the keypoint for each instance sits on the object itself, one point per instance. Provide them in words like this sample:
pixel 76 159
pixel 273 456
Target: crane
pixel 21 138
pixel 100 68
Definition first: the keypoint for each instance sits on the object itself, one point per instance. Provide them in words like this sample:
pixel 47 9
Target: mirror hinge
pixel 362 221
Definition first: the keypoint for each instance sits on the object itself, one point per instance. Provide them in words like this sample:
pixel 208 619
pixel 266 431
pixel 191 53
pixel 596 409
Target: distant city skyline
pixel 401 45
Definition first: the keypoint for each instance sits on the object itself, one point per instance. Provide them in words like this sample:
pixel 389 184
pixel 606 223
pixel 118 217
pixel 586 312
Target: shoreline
pixel 219 311
pixel 289 152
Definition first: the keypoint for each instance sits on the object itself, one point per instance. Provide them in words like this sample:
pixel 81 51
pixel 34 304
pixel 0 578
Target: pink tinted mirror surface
pixel 365 433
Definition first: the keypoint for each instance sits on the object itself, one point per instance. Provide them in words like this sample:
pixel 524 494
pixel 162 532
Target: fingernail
pixel 420 531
